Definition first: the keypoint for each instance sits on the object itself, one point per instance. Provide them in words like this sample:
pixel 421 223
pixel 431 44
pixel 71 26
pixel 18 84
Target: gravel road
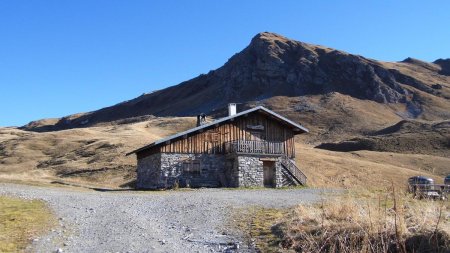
pixel 166 221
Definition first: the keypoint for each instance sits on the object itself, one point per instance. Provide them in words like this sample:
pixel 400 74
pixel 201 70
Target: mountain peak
pixel 412 60
pixel 268 39
pixel 268 36
pixel 270 43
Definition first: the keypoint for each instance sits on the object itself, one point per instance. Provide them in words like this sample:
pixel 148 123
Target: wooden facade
pixel 254 127
pixel 251 148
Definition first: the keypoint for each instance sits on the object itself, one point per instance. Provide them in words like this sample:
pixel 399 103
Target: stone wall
pixel 250 172
pixel 283 178
pixel 279 174
pixel 165 170
pixel 171 172
pixel 148 171
pixel 211 169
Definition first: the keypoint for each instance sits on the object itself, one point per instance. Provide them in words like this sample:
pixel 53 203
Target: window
pixel 191 168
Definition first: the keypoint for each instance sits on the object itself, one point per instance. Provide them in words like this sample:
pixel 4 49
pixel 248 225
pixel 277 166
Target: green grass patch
pixel 261 227
pixel 20 221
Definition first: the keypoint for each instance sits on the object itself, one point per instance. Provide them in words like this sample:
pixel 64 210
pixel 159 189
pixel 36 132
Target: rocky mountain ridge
pixel 273 65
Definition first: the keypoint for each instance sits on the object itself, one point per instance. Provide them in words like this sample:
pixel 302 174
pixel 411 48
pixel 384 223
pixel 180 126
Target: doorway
pixel 269 173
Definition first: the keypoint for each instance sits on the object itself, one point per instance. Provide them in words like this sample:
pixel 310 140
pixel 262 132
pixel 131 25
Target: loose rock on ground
pixel 161 221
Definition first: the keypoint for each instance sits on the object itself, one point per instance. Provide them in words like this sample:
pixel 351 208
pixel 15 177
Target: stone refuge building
pixel 246 149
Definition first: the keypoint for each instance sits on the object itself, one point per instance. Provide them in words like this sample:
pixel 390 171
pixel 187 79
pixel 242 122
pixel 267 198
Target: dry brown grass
pixel 366 169
pixel 386 221
pixel 335 117
pixel 93 156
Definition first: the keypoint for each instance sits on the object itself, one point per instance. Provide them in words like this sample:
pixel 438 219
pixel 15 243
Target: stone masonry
pixel 251 172
pixel 165 170
pixel 148 171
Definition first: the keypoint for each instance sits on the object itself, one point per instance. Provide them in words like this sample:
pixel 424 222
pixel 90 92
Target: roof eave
pixel 301 131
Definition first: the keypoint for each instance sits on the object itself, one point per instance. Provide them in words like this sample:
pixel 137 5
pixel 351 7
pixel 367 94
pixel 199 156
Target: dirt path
pixel 170 221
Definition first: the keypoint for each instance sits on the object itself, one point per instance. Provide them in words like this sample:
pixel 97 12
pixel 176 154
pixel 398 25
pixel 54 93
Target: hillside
pixel 306 75
pixel 408 137
pixel 88 155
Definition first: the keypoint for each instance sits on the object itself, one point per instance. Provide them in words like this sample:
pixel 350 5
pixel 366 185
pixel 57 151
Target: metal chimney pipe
pixel 198 120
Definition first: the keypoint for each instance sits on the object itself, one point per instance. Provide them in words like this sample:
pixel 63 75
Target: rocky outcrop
pixel 273 65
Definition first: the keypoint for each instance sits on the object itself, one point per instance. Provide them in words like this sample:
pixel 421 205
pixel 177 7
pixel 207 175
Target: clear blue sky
pixel 62 57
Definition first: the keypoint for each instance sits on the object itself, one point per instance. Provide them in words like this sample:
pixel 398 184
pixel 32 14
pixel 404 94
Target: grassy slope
pixel 366 168
pixel 96 156
pixel 20 220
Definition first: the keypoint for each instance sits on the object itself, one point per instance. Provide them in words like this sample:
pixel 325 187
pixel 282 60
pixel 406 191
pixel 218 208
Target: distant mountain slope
pixel 406 137
pixel 272 66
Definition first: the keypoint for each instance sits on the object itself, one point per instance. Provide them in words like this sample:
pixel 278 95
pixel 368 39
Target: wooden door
pixel 269 173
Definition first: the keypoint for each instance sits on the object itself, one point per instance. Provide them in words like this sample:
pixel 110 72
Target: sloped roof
pixel 297 127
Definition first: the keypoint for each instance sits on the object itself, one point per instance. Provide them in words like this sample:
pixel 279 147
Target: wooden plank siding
pixel 213 139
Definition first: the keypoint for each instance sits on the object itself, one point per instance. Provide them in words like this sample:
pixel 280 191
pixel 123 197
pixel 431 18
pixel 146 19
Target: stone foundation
pixel 148 171
pixel 165 170
pixel 250 171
